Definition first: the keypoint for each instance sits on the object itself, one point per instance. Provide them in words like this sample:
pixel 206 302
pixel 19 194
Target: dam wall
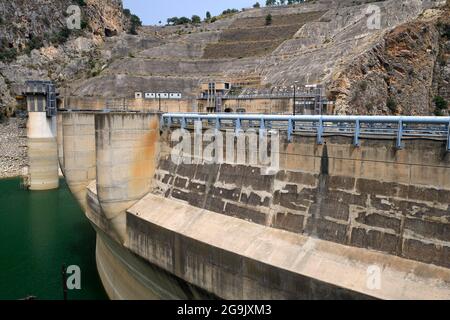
pixel 311 228
pixel 373 196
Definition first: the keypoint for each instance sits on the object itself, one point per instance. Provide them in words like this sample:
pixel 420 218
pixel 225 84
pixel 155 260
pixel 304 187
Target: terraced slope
pixel 251 37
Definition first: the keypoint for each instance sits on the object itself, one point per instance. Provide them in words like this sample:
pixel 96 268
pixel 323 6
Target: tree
pixel 257 5
pixel 184 20
pixel 135 24
pixel 175 21
pixel 230 11
pixel 268 19
pixel 196 19
pixel 208 16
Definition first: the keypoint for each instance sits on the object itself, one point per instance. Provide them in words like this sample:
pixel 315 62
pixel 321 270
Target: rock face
pixel 13 155
pixel 400 74
pixel 24 20
pixel 37 44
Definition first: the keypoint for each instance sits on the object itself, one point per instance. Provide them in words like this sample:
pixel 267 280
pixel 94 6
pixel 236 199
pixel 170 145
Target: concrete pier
pixel 127 151
pixel 41 133
pixel 79 153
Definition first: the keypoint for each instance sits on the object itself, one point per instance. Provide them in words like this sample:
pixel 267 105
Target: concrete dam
pixel 356 207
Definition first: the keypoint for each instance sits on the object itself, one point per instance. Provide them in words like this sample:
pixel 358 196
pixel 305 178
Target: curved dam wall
pixel 310 229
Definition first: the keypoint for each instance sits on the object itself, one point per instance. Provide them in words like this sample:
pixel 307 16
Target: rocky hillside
pixel 399 67
pixel 36 42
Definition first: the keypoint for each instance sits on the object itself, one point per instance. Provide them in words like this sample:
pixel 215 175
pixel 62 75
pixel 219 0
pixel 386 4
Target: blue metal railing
pixel 398 127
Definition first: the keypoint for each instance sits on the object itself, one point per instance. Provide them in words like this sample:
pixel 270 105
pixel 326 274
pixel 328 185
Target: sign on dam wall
pixel 333 215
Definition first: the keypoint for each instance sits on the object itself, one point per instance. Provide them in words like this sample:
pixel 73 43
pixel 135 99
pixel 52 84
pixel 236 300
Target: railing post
pixel 357 132
pixel 448 138
pixel 320 132
pixel 400 135
pixel 183 123
pixel 238 126
pixel 198 125
pixel 262 127
pixel 169 122
pixel 217 123
pixel 290 130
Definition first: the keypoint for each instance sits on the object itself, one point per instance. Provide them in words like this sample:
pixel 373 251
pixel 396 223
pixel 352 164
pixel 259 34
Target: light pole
pixel 295 98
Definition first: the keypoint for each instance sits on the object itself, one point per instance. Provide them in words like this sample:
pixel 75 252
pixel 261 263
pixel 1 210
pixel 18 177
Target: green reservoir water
pixel 39 232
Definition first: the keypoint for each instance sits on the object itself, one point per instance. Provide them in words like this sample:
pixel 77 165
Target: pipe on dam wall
pixel 78 146
pixel 59 140
pixel 126 152
pixel 42 152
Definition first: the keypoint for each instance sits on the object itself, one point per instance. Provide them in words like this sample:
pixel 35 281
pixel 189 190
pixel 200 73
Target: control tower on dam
pixel 241 206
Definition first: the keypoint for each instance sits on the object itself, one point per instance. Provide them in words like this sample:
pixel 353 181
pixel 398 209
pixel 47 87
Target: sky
pixel 153 11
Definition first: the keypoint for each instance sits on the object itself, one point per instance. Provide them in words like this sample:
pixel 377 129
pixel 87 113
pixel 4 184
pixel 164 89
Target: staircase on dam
pixel 350 199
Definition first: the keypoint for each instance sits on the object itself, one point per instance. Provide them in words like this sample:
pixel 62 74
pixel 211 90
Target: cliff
pixel 36 42
pixel 402 73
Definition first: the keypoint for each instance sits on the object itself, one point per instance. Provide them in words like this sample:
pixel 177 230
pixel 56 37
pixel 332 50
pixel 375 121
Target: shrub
pixel 34 43
pixel 61 36
pixel 269 19
pixel 391 104
pixel 81 3
pixel 8 54
pixel 440 103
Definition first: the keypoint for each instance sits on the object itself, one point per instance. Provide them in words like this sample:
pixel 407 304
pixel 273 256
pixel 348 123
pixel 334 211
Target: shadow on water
pixel 39 232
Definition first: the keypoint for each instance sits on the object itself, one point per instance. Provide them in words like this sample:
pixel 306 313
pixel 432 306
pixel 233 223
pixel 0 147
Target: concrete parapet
pixel 126 151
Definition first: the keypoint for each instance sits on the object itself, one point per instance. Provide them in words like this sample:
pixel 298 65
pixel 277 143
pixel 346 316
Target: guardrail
pixel 398 127
pixel 266 96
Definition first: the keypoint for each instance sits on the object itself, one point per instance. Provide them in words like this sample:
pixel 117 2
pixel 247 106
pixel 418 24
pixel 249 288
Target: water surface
pixel 39 232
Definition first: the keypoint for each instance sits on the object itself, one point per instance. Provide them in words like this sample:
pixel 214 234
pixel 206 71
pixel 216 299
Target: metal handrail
pixel 396 126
